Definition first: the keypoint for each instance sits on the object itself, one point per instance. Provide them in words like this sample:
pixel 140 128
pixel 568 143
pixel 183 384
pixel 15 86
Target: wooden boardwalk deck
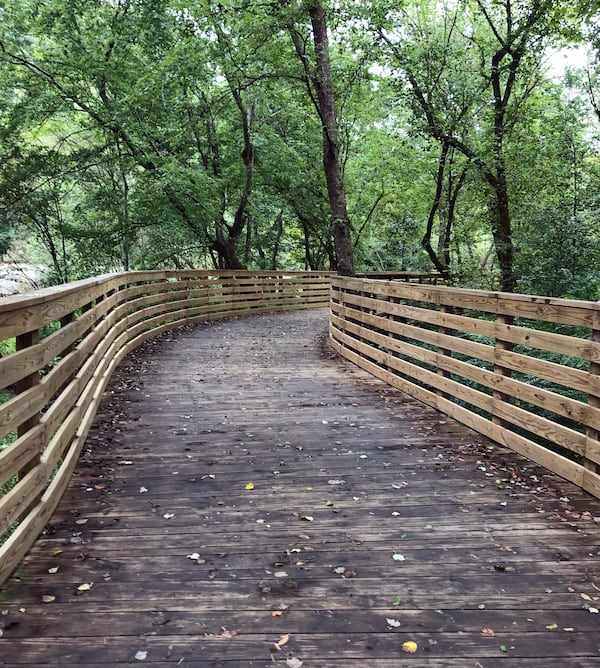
pixel 372 521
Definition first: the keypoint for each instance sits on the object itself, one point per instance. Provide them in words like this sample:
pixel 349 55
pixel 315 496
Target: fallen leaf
pixel 280 574
pixel 594 611
pixel 48 598
pixel 488 632
pixel 168 516
pixel 249 485
pixel 282 641
pixel 585 597
pixel 340 570
pixel 86 586
pixel 125 462
pixel 56 552
pixel 196 557
pixel 503 648
pixel 397 601
pixel 277 613
pixel 142 655
pixel 81 521
pixel 398 557
pixel 293 663
pixel 335 482
pixel 143 490
pixel 409 646
pixel 226 633
pixel 394 623
pixel 551 627
pixel 53 570
pixel 306 518
pixel 568 628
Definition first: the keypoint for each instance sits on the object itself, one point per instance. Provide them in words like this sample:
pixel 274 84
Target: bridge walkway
pixel 246 498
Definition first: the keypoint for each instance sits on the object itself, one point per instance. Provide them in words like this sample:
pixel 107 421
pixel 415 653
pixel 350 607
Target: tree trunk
pixel 323 83
pixel 502 233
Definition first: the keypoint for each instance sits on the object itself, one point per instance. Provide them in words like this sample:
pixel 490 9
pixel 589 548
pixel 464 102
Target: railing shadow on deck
pixel 476 356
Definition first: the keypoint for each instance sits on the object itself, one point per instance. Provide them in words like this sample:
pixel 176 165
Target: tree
pixel 487 62
pixel 320 83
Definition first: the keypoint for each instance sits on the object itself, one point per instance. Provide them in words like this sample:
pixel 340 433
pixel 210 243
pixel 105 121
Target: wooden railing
pixel 486 359
pixel 68 341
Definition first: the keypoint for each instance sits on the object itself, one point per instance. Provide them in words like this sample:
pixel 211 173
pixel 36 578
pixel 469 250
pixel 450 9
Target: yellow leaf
pixel 568 628
pixel 551 627
pixel 409 646
pixel 48 598
pixel 585 597
pixel 282 641
pixel 250 485
pixel 86 586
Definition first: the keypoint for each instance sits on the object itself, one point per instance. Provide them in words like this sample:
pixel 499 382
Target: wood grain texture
pixel 419 339
pixel 499 557
pixel 58 373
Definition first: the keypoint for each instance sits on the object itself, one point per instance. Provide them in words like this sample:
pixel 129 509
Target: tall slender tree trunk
pixel 322 82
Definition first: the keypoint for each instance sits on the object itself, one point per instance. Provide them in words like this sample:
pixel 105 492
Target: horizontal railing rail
pixel 524 371
pixel 59 348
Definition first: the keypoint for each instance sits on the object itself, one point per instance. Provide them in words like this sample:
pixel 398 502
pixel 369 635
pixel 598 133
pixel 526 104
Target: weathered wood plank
pixel 488 540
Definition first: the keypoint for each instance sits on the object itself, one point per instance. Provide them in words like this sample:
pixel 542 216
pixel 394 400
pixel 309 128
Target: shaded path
pixel 372 521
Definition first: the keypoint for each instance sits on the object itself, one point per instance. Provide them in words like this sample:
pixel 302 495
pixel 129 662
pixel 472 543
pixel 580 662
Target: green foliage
pixel 123 128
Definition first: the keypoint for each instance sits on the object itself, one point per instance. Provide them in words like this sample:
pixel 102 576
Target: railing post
pixel 64 321
pixel 500 370
pixel 593 434
pixel 23 341
pixel 444 352
pixel 26 340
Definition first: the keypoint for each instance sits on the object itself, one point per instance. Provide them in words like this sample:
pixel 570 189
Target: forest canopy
pixel 414 135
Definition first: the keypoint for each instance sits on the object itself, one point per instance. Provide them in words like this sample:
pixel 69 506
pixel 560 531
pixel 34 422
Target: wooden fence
pixel 488 360
pixel 68 341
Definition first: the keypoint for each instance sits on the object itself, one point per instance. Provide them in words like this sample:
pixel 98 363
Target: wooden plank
pixel 557 373
pixel 577 313
pixel 19 409
pixel 263 402
pixel 39 308
pixel 541 455
pixel 417 373
pixel 20 453
pixel 27 491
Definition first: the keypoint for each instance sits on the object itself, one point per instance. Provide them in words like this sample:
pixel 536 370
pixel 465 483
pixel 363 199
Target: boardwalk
pixel 247 499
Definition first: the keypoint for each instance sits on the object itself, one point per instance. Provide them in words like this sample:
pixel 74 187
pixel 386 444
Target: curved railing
pixel 60 347
pixel 487 359
pixel 523 370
